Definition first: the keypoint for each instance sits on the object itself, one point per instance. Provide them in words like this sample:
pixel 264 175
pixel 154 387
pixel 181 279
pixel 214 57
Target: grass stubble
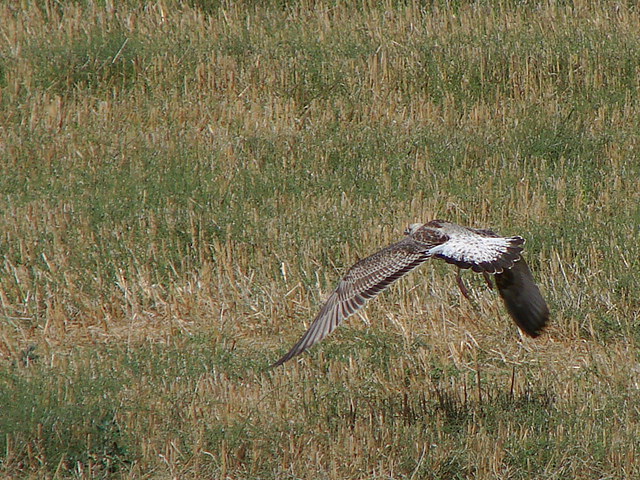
pixel 181 184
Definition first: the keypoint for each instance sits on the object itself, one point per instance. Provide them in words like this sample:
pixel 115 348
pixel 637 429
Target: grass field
pixel 182 184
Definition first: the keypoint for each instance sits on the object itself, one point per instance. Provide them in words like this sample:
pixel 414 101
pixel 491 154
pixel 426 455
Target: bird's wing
pixel 522 298
pixel 480 250
pixel 363 281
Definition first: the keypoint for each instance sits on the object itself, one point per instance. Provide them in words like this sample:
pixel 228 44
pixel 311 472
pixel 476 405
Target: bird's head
pixel 413 228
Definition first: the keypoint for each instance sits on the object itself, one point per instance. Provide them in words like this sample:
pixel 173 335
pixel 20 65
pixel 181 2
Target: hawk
pixel 483 251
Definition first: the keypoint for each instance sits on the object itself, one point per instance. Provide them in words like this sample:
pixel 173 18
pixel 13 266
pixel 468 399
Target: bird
pixel 482 251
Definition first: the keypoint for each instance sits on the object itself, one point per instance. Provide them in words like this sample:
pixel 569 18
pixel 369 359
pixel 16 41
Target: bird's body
pixel 482 251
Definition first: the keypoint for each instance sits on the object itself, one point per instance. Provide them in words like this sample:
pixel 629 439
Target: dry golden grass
pixel 182 184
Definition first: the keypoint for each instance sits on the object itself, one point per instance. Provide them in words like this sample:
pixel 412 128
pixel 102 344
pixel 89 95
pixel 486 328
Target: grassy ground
pixel 182 184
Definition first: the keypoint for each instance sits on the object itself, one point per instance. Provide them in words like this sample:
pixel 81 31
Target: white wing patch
pixel 480 253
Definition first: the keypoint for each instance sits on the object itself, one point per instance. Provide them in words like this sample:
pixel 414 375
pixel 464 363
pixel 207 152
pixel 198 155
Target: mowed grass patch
pixel 181 186
pixel 204 406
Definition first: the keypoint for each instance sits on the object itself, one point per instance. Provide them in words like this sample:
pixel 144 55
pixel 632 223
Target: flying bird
pixel 483 251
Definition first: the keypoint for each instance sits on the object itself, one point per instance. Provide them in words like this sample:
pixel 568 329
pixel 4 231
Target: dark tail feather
pixel 522 298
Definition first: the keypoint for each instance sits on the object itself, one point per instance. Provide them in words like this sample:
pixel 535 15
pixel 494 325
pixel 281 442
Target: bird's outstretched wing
pixel 522 298
pixel 363 281
pixel 480 250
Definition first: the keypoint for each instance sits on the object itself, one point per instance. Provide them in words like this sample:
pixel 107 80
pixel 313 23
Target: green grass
pixel 102 412
pixel 181 184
